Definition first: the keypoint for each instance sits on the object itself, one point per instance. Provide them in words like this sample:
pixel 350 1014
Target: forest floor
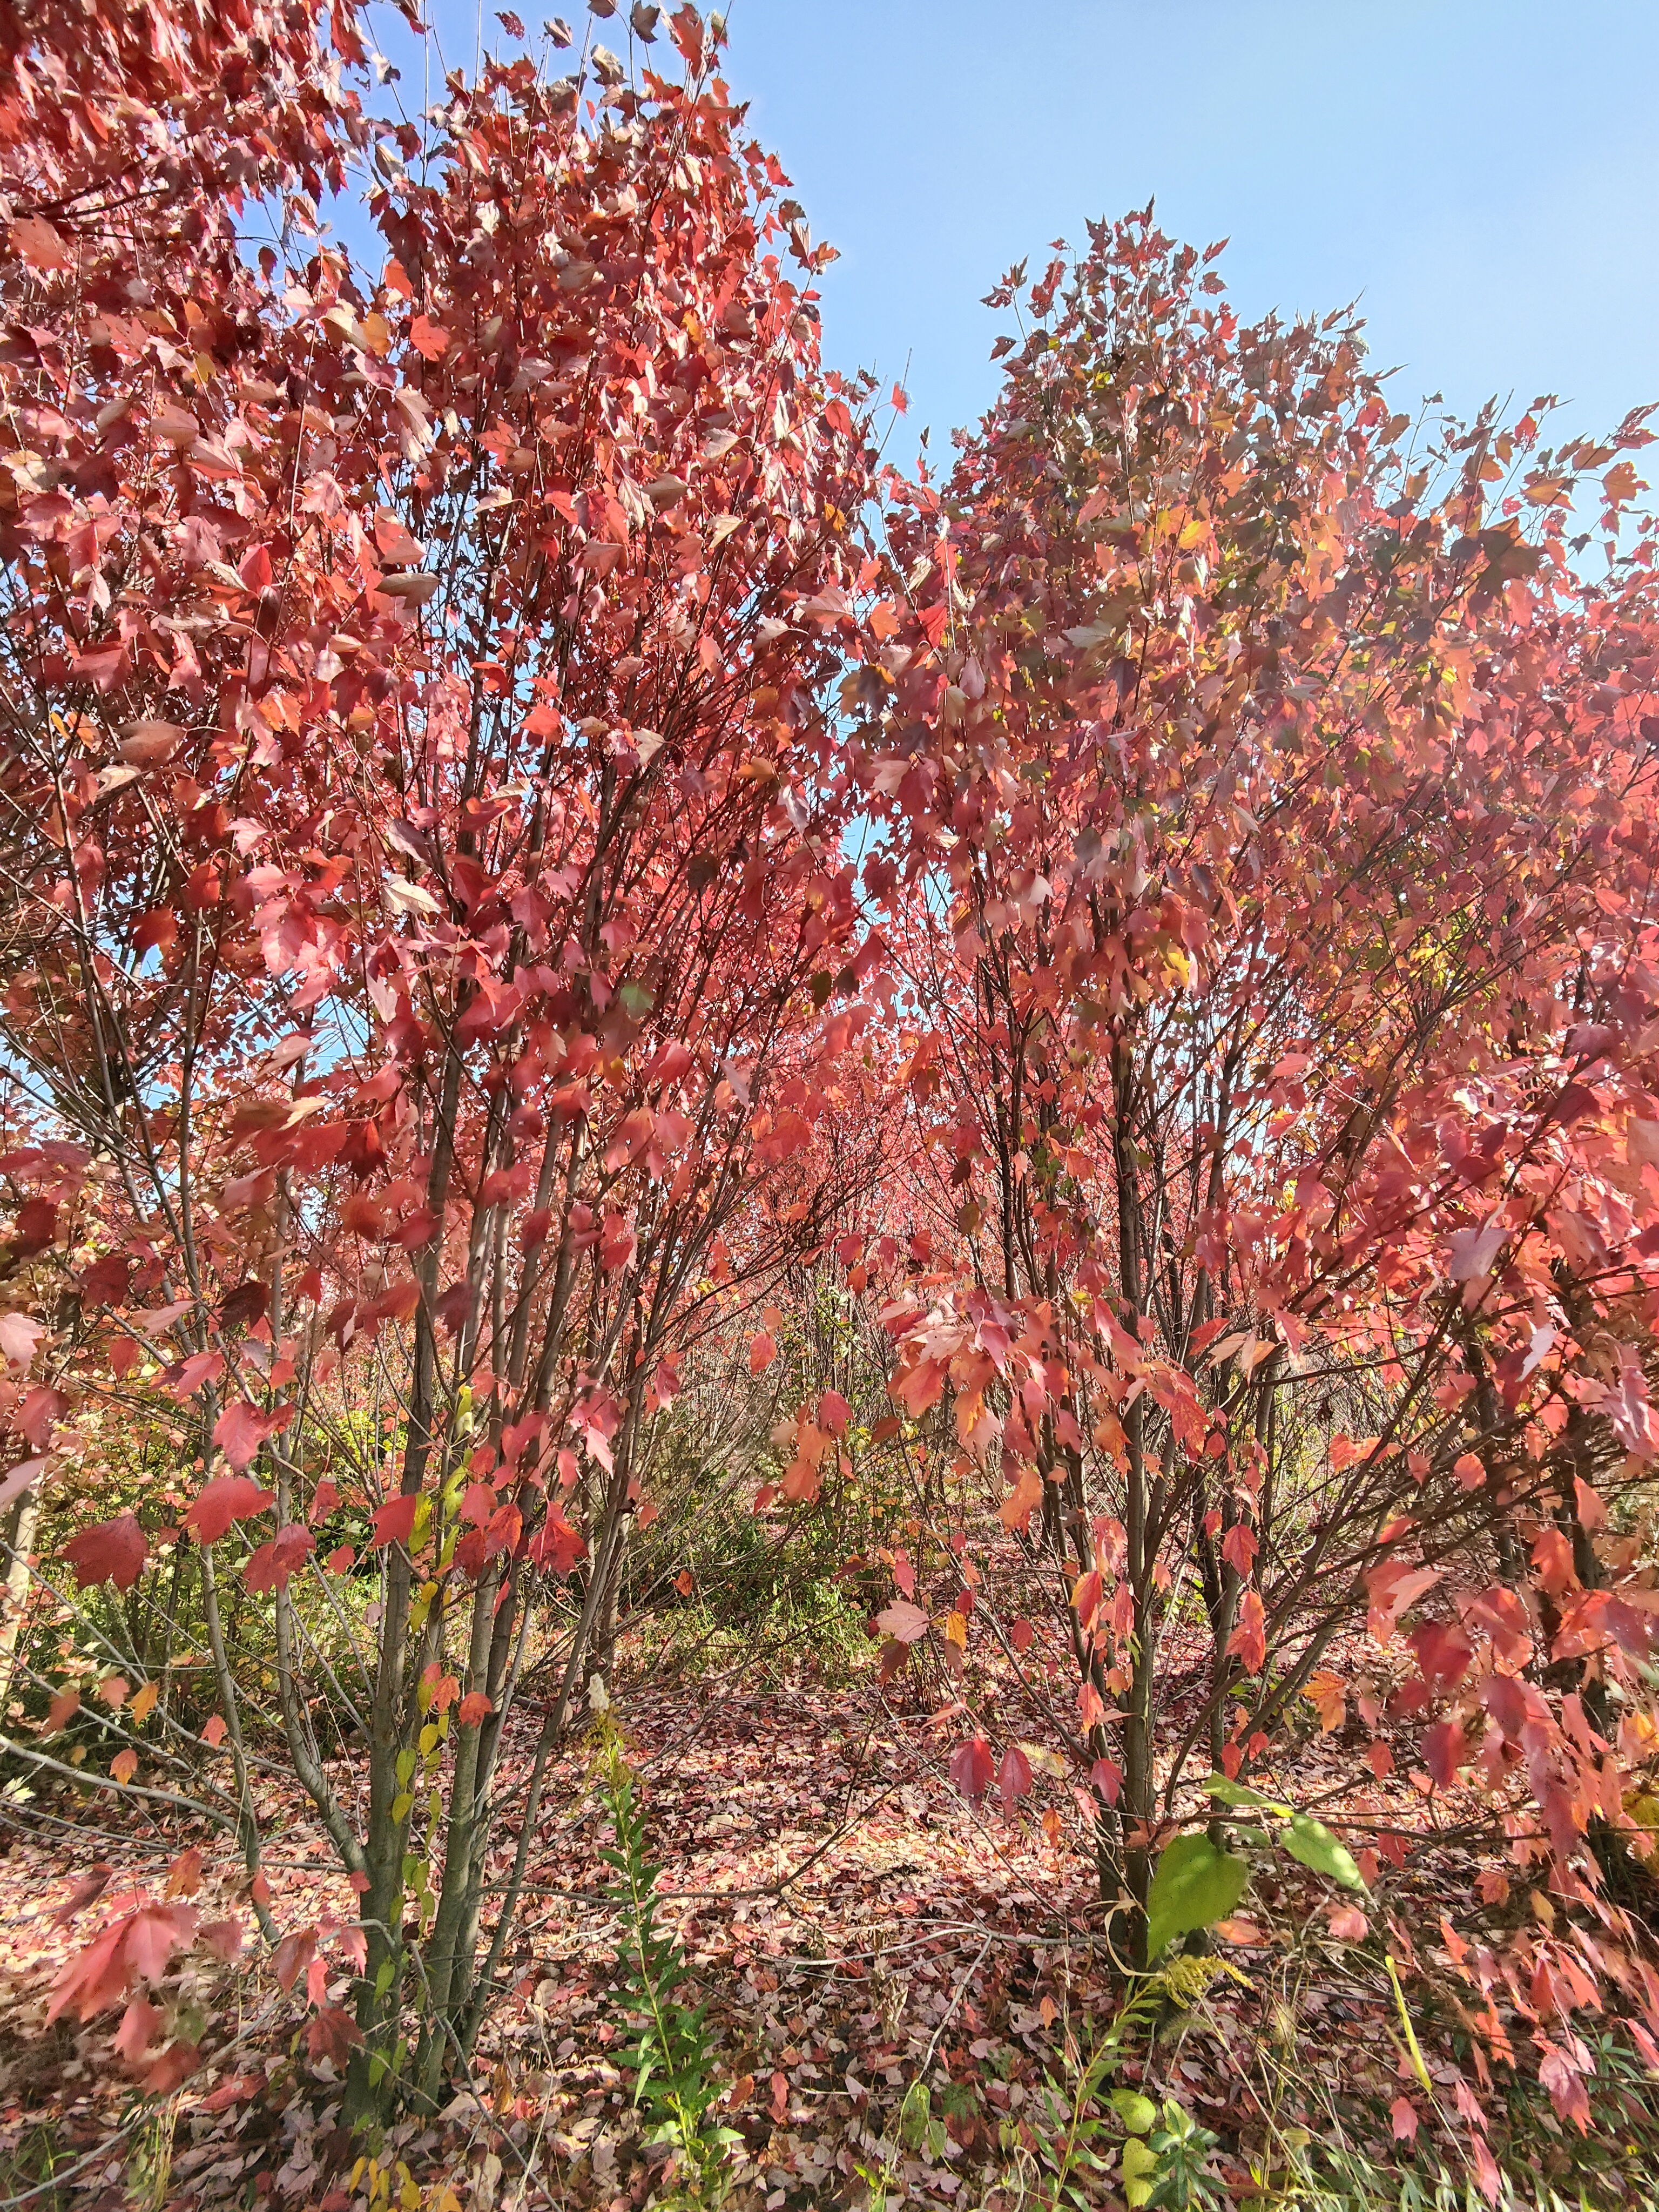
pixel 857 1928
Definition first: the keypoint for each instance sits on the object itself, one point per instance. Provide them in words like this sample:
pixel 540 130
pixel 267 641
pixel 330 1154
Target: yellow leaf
pixel 1139 2165
pixel 145 1704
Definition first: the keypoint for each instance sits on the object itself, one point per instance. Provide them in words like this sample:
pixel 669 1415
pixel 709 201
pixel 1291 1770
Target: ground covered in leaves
pixel 857 1929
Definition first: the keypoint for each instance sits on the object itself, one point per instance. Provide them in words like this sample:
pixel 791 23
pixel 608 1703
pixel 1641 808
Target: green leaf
pixel 1240 1793
pixel 637 999
pixel 1136 2113
pixel 1194 1885
pixel 914 2115
pixel 1312 1841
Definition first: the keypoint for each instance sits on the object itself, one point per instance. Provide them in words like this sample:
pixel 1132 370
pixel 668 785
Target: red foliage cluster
pixel 1270 808
pixel 435 712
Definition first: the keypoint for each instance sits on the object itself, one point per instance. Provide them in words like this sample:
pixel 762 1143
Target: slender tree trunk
pixel 21 1520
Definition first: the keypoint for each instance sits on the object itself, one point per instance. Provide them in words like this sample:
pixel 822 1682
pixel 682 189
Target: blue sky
pixel 1482 175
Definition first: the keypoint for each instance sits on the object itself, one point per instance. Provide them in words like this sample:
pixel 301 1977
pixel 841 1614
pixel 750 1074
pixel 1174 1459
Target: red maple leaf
pixel 111 1552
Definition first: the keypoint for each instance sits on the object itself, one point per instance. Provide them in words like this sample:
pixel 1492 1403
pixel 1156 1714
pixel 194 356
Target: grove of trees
pixel 640 1052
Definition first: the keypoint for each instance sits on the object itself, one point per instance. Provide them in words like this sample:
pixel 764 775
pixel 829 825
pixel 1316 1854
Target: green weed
pixel 670 2053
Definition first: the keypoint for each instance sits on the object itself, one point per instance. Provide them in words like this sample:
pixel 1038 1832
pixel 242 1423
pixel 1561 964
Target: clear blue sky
pixel 1482 175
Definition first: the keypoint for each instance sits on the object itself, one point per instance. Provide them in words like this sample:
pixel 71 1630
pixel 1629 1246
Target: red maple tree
pixel 1269 792
pixel 427 842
